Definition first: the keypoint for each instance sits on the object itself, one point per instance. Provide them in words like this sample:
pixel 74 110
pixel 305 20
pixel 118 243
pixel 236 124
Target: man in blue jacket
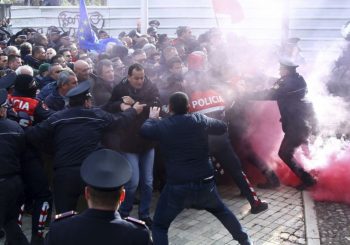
pixel 190 175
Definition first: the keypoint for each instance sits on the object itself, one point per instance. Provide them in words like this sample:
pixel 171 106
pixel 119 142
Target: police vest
pixel 208 102
pixel 24 105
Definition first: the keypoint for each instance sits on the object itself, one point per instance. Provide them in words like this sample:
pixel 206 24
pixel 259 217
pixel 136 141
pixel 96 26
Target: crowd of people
pixel 60 104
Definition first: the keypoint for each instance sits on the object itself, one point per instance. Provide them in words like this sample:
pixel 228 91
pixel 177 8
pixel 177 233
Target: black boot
pixel 272 181
pixel 308 182
pixel 36 240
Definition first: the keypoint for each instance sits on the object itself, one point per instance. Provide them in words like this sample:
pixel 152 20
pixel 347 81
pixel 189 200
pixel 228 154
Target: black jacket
pixel 101 91
pixel 97 227
pixel 184 144
pixel 297 115
pixel 76 132
pixel 33 62
pixel 12 142
pixel 131 141
pixel 55 101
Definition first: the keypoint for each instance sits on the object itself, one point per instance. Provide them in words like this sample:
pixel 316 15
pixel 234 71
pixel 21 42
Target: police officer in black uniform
pixel 12 143
pixel 104 172
pixel 297 116
pixel 75 132
pixel 31 111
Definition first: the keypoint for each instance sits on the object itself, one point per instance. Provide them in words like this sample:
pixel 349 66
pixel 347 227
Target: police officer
pixel 104 172
pixel 190 183
pixel 29 112
pixel 297 116
pixel 75 132
pixel 12 143
pixel 8 82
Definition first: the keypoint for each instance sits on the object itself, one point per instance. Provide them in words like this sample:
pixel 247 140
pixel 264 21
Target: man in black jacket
pixel 12 143
pixel 139 152
pixel 190 183
pixel 31 111
pixel 104 172
pixel 297 116
pixel 75 132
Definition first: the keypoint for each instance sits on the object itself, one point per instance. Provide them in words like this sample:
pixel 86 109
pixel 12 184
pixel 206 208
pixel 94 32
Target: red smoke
pixel 265 134
pixel 334 179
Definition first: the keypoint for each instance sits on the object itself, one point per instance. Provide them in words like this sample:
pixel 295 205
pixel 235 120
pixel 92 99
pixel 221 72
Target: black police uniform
pixel 297 117
pixel 104 170
pixel 75 133
pixel 29 112
pixel 12 143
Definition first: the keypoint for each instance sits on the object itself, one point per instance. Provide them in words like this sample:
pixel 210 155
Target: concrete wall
pixel 318 23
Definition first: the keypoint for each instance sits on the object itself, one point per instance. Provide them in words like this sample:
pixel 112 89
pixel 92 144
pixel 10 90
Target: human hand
pixel 128 100
pixel 154 112
pixel 138 107
pixel 124 106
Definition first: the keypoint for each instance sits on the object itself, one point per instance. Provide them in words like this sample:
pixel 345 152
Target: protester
pixel 190 183
pixel 140 152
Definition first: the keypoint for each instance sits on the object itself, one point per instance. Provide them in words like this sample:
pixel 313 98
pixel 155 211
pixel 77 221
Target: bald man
pixel 82 70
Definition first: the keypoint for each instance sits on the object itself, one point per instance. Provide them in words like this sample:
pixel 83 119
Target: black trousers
pixel 290 142
pixel 36 188
pixel 220 147
pixel 67 187
pixel 11 194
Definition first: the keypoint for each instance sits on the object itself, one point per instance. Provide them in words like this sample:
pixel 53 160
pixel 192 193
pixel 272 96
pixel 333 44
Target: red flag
pixel 229 7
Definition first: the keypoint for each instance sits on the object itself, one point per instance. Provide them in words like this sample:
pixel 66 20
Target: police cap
pixel 3 97
pixel 105 170
pixel 285 62
pixel 8 81
pixel 81 90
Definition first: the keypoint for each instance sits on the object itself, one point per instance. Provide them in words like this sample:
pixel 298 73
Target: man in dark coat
pixel 139 151
pixel 297 116
pixel 104 83
pixel 190 183
pixel 104 172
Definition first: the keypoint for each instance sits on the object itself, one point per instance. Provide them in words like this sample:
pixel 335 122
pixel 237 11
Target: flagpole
pixel 216 16
pixel 144 16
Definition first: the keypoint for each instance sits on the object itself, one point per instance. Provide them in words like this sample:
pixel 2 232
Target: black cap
pixel 3 97
pixel 154 23
pixel 82 89
pixel 288 63
pixel 8 81
pixel 106 170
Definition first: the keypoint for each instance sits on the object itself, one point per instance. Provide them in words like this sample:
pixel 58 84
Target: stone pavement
pixel 333 223
pixel 282 223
